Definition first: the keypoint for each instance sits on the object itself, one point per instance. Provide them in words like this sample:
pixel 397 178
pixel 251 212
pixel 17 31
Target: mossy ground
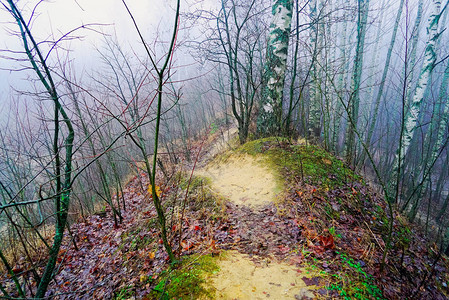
pixel 186 281
pixel 309 163
pixel 329 192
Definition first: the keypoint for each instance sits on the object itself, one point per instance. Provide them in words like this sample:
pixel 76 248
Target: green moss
pixel 261 145
pixel 403 234
pixel 311 163
pixel 187 280
pixel 125 293
pixel 195 183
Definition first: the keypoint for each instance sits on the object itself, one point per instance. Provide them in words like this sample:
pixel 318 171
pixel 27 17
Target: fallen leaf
pixel 157 188
pixel 327 241
pixel 186 246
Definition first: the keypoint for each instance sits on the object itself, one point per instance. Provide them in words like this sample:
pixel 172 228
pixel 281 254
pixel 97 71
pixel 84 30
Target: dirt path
pixel 262 280
pixel 261 262
pixel 243 180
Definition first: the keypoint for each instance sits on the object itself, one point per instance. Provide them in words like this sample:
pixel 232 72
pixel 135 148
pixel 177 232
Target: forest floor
pixel 251 189
pixel 271 219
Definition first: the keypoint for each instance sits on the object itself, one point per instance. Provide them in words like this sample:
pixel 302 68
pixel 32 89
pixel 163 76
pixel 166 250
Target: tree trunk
pixel 341 83
pixel 270 113
pixel 316 39
pixel 414 47
pixel 353 104
pixel 384 75
pixel 410 120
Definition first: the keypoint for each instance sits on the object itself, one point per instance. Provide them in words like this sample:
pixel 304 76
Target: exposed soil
pixel 323 240
pixel 268 269
pixel 243 180
pixel 241 278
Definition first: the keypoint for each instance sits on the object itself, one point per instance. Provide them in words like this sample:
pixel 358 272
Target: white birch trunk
pixel 411 118
pixel 315 95
pixel 270 112
pixel 414 46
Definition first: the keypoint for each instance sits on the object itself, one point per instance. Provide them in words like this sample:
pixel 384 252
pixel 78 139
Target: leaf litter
pixel 337 232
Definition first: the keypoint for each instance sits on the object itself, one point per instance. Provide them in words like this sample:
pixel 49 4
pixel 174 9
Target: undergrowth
pixel 200 195
pixel 328 189
pixel 353 282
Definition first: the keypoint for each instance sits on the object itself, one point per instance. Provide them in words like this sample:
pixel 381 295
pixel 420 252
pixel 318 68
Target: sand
pixel 240 278
pixel 243 180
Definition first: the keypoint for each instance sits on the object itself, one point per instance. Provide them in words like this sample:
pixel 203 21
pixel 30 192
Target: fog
pixel 366 81
pixel 102 18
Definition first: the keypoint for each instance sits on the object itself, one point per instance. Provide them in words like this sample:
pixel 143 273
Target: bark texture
pixel 270 112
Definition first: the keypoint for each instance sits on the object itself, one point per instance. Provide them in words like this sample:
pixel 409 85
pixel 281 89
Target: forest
pixel 161 150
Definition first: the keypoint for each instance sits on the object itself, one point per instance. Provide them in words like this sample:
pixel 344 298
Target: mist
pixel 93 92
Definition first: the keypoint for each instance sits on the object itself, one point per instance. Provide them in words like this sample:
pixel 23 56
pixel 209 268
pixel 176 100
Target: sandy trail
pixel 242 180
pixel 241 278
pixel 251 186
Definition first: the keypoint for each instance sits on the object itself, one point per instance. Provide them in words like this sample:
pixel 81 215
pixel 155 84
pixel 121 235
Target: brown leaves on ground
pixel 348 219
pixel 302 222
pixel 357 216
pixel 111 259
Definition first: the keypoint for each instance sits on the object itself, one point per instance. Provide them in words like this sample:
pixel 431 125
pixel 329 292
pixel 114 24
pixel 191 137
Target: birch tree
pixel 436 129
pixel 414 46
pixel 410 120
pixel 270 108
pixel 316 40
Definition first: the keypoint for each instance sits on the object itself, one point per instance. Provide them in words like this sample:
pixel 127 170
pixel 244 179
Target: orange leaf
pixel 327 241
pixel 186 246
pixel 310 233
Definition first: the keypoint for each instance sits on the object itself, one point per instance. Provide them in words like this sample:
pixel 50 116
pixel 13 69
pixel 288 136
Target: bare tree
pixel 62 167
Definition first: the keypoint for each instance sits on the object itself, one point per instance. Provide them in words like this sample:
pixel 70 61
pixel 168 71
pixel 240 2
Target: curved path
pixel 257 236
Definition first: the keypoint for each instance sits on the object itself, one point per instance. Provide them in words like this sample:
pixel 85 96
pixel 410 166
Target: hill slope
pixel 281 208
